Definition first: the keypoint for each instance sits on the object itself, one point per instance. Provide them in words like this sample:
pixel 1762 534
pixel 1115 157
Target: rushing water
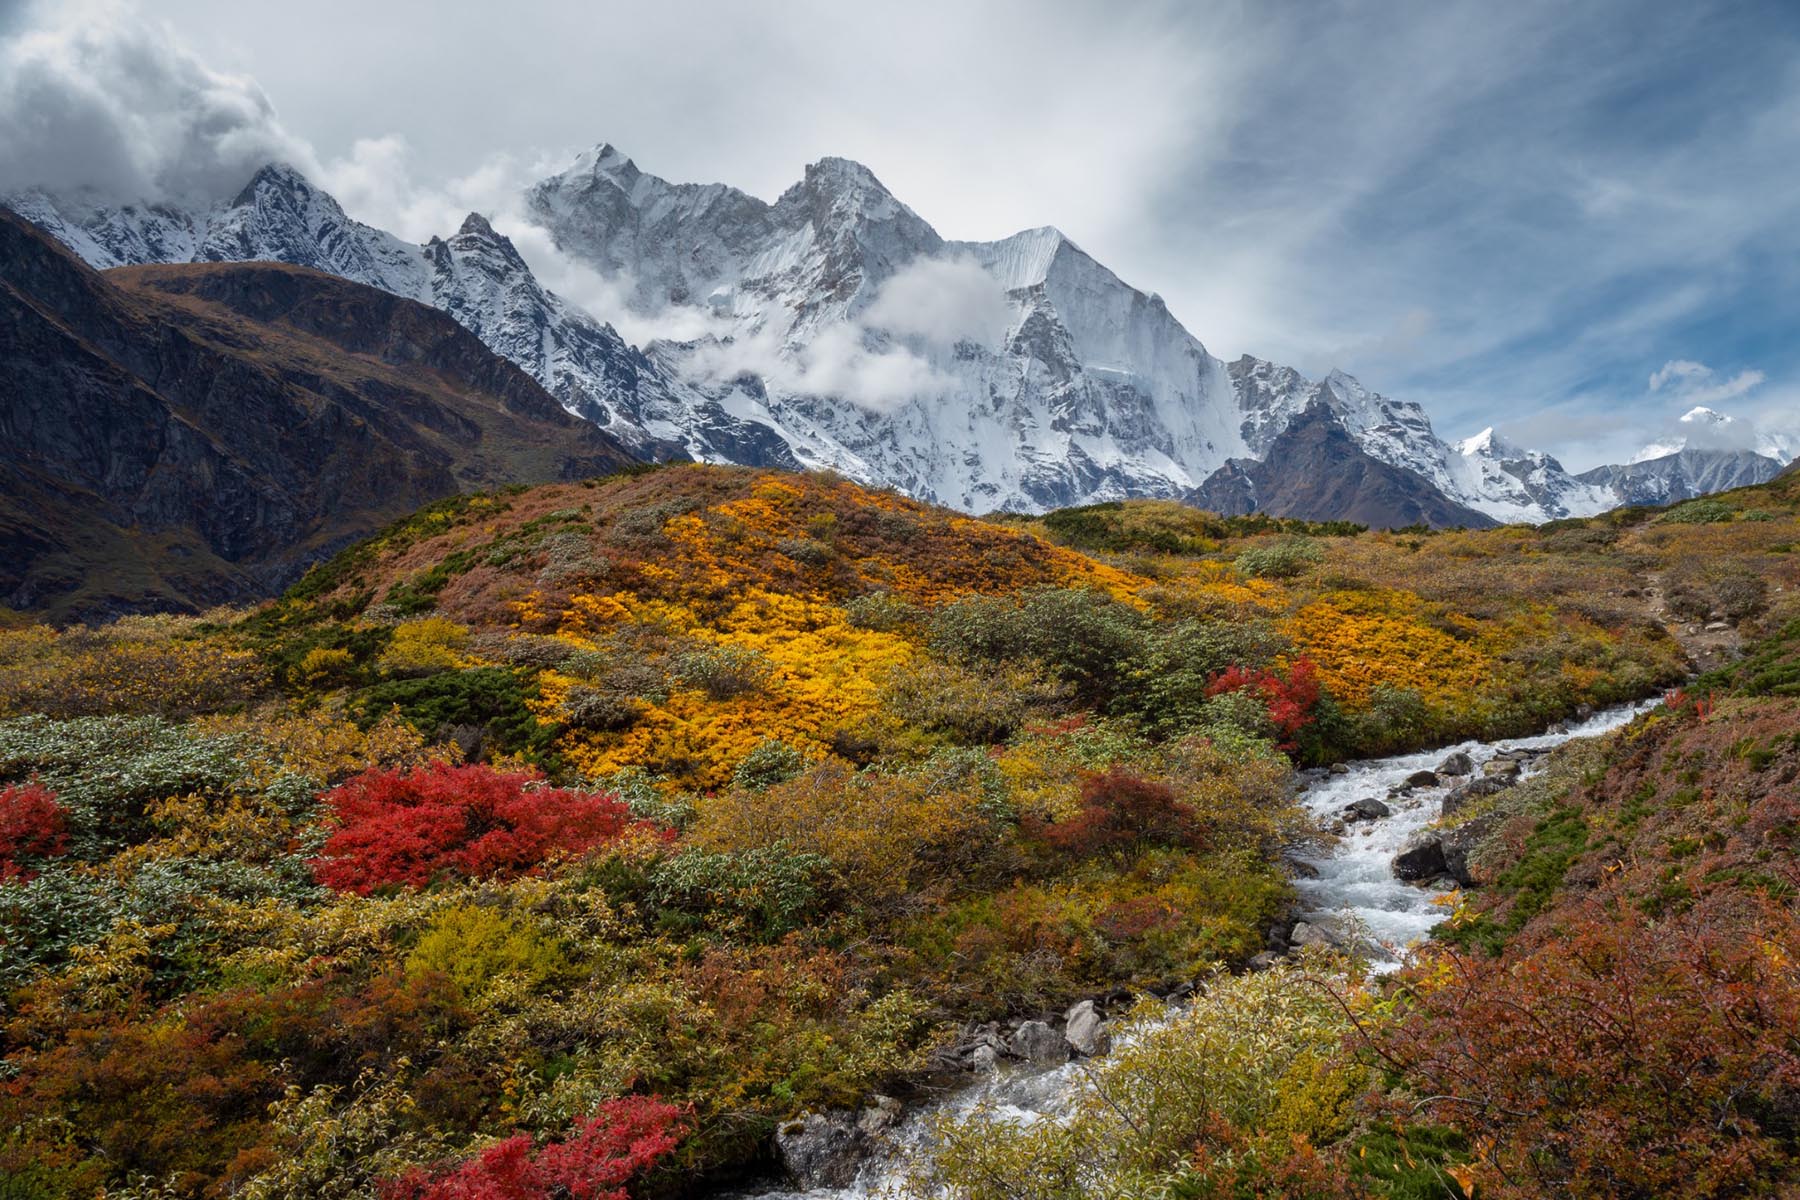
pixel 1354 894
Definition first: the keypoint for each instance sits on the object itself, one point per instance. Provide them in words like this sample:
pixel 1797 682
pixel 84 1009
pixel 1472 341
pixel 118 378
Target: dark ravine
pixel 175 437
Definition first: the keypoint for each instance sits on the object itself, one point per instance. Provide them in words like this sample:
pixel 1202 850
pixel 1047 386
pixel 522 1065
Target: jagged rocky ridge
pixel 835 328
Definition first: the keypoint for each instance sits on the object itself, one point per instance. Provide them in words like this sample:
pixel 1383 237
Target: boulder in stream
pixel 1367 809
pixel 1036 1042
pixel 821 1150
pixel 1457 764
pixel 1422 779
pixel 1085 1031
pixel 1421 857
pixel 1307 934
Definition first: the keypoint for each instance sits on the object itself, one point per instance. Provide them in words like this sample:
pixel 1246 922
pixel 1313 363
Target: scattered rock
pixel 1036 1042
pixel 1307 934
pixel 1457 764
pixel 1338 828
pixel 1339 769
pixel 1421 857
pixel 1501 768
pixel 1584 711
pixel 821 1150
pixel 1262 960
pixel 1367 809
pixel 1459 798
pixel 1717 626
pixel 1422 779
pixel 1558 727
pixel 985 1060
pixel 1085 1031
pixel 881 1114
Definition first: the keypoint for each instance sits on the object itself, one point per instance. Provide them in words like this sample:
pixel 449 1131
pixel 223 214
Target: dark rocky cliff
pixel 177 436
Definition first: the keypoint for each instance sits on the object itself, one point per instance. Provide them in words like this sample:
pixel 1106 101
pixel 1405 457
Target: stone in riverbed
pixel 1421 857
pixel 1339 769
pixel 1367 809
pixel 1036 1042
pixel 1085 1031
pixel 1457 764
pixel 985 1060
pixel 1307 934
pixel 821 1150
pixel 1501 768
pixel 1422 779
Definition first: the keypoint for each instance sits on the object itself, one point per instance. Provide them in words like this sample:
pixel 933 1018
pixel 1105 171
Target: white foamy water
pixel 1355 893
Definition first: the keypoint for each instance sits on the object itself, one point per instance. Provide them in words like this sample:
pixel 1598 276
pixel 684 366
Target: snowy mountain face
pixel 835 328
pixel 1683 475
pixel 476 276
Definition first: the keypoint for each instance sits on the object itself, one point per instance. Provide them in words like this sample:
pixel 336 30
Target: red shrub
pixel 605 1152
pixel 410 827
pixel 1290 701
pixel 1624 1058
pixel 31 826
pixel 1121 810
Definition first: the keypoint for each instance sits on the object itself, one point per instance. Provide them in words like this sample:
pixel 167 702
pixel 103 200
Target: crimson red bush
pixel 411 827
pixel 32 826
pixel 1121 810
pixel 604 1153
pixel 1290 701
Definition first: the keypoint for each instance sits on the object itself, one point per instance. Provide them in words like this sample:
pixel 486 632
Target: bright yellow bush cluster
pixel 826 675
pixel 1359 640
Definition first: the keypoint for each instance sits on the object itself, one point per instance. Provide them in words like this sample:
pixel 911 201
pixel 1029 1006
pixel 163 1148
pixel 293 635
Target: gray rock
pixel 1339 769
pixel 880 1115
pixel 985 1060
pixel 1337 827
pixel 821 1150
pixel 1421 857
pixel 1422 779
pixel 1262 960
pixel 1036 1042
pixel 1460 798
pixel 1367 809
pixel 1501 768
pixel 1085 1031
pixel 1307 934
pixel 1457 764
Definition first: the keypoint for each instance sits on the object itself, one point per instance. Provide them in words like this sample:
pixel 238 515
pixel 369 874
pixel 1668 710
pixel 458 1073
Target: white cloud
pixel 942 300
pixel 1694 383
pixel 92 96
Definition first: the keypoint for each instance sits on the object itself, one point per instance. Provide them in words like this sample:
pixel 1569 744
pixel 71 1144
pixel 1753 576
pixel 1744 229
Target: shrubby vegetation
pixel 561 842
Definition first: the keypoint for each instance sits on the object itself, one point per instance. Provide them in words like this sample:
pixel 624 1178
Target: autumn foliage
pixel 1622 1059
pixel 412 827
pixel 1290 701
pixel 1122 810
pixel 603 1154
pixel 31 827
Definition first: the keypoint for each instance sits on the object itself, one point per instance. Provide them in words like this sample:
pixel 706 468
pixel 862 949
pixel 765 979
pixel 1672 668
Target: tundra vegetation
pixel 562 842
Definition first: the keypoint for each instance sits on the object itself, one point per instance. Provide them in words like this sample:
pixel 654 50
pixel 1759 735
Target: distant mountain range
pixel 179 436
pixel 835 328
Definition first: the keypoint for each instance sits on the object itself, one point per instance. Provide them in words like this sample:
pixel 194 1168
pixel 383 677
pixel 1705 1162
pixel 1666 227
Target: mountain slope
pixel 1682 475
pixel 178 436
pixel 1315 466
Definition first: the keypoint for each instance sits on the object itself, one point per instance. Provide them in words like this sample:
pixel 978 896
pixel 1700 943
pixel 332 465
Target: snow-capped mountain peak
pixel 835 327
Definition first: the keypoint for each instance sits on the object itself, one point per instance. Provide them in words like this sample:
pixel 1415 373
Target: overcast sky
pixel 1573 221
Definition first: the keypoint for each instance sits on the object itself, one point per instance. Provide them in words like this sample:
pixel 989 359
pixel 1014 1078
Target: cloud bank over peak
pixel 95 98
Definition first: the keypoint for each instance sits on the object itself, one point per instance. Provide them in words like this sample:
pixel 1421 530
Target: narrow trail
pixel 1707 644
